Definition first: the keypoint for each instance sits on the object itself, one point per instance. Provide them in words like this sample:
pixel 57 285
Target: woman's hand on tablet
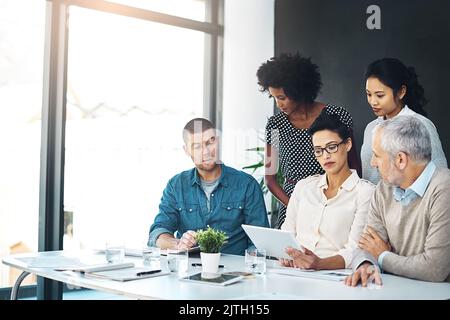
pixel 286 262
pixel 304 260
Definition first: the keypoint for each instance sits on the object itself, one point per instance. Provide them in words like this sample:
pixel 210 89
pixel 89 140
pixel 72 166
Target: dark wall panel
pixel 334 34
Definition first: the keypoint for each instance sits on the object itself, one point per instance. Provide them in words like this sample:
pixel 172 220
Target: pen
pixel 147 272
pixel 199 265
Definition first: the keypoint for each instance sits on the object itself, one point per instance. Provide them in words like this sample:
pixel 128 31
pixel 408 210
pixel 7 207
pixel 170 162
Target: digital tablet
pixel 222 279
pixel 274 241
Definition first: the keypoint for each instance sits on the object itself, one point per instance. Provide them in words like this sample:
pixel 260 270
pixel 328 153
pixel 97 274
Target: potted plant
pixel 274 203
pixel 210 242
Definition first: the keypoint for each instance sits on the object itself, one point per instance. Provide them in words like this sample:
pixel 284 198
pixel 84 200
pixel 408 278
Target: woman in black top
pixel 294 82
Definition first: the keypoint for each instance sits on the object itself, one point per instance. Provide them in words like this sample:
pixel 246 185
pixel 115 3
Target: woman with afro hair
pixel 294 82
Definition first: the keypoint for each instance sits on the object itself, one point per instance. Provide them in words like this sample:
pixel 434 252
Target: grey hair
pixel 406 134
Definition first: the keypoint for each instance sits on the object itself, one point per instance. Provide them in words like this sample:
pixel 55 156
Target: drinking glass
pixel 178 261
pixel 151 256
pixel 255 261
pixel 114 251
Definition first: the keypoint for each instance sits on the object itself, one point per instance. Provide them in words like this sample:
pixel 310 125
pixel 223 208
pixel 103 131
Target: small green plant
pixel 210 240
pixel 260 163
pixel 260 152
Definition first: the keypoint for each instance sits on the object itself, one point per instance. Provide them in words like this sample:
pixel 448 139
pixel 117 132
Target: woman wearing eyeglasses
pixel 294 82
pixel 328 212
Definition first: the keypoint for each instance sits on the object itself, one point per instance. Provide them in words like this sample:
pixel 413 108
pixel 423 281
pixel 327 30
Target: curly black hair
pixel 296 75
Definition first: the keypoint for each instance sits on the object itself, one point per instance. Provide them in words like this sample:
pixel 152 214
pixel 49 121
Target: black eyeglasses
pixel 331 148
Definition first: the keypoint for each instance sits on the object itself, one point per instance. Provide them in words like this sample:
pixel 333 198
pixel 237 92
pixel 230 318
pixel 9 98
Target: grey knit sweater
pixel 419 233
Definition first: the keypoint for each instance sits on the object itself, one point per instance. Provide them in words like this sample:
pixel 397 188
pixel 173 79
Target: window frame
pixel 51 186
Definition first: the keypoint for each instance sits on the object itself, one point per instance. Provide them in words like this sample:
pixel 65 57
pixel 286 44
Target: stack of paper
pixel 117 271
pixel 334 275
pixel 99 267
pixel 134 273
pixel 133 252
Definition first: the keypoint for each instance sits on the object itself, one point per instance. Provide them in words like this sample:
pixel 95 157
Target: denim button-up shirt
pixel 237 200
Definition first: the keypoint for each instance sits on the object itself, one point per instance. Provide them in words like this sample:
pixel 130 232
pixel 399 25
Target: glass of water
pixel 255 261
pixel 114 251
pixel 178 261
pixel 151 256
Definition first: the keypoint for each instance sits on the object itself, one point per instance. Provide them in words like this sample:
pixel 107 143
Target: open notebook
pixel 86 268
pixel 127 274
pixel 117 271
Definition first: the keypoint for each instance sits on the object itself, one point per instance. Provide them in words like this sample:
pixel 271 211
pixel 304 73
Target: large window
pixel 93 98
pixel 22 25
pixel 128 98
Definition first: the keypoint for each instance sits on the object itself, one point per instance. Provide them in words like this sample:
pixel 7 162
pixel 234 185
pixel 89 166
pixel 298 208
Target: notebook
pixel 127 274
pixel 83 268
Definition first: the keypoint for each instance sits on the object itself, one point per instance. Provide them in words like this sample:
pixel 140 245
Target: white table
pixel 270 286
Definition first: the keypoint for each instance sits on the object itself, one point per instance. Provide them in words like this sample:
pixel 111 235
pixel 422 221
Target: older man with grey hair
pixel 408 226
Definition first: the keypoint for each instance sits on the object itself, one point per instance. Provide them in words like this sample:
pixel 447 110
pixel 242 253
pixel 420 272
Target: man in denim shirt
pixel 209 194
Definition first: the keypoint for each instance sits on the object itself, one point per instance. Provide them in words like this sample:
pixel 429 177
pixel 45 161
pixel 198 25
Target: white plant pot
pixel 210 262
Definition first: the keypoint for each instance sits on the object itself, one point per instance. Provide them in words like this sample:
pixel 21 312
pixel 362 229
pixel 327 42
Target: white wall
pixel 248 42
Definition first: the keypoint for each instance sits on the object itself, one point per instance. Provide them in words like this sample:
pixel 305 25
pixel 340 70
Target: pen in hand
pixel 199 265
pixel 147 272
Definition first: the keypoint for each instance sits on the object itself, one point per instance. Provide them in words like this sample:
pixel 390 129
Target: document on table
pixel 98 267
pixel 51 262
pixel 333 275
pixel 133 252
pixel 115 271
pixel 134 273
